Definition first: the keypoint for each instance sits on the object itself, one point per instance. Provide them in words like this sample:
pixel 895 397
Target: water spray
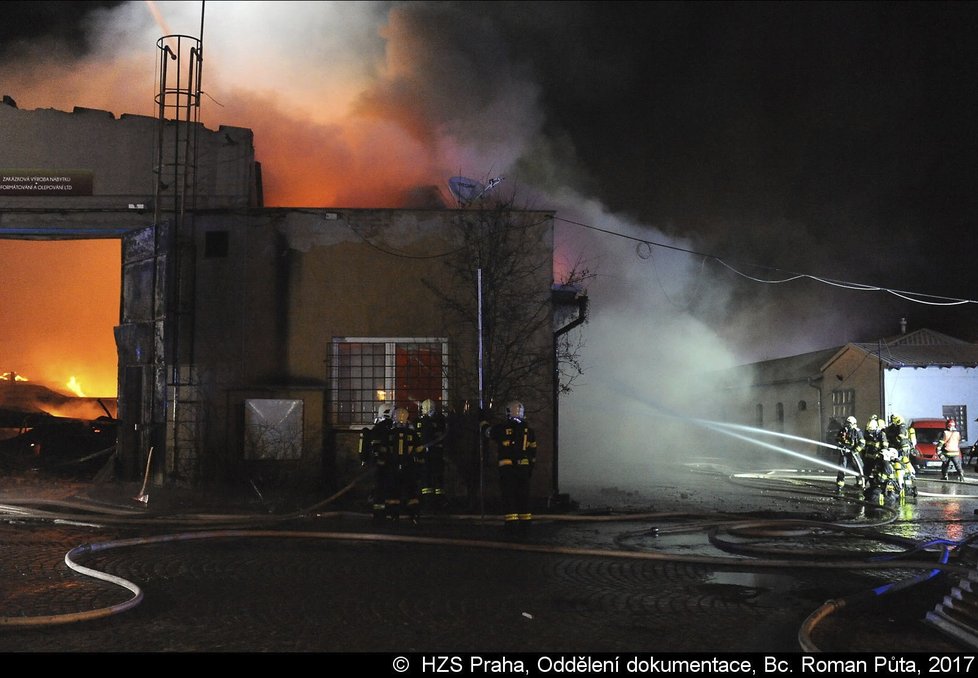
pixel 723 427
pixel 784 450
pixel 754 429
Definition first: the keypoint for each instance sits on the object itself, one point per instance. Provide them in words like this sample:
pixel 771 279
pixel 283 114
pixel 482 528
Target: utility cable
pixel 916 297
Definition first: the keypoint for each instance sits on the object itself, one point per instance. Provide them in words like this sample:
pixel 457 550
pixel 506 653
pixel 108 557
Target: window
pixel 369 371
pixel 759 415
pixel 843 403
pixel 779 409
pixel 802 406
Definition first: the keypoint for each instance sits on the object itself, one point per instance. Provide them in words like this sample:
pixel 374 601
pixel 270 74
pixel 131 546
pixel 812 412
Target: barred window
pixel 843 403
pixel 401 371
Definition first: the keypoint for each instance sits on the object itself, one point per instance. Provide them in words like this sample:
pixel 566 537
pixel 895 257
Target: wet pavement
pixel 719 562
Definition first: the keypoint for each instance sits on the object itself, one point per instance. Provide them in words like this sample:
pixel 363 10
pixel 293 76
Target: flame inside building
pixel 59 306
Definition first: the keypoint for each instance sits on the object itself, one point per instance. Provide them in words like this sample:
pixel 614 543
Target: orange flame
pixel 75 387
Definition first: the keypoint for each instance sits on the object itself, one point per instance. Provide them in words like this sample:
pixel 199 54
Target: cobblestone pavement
pixel 634 578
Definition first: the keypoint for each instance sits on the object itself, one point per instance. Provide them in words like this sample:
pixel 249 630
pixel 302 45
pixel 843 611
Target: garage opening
pixel 59 305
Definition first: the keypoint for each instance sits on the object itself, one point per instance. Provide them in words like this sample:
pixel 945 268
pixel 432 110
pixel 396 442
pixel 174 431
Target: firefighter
pixel 400 451
pixel 850 443
pixel 371 442
pixel 516 451
pixel 949 450
pixel 882 482
pixel 876 442
pixel 432 429
pixel 904 440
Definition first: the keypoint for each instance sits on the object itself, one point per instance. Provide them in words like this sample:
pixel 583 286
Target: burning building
pixel 252 337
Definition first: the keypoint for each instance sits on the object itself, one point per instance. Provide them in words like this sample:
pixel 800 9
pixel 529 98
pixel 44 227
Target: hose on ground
pixel 732 524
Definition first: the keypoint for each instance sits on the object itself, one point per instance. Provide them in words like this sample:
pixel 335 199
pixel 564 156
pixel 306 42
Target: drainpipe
pixel 581 319
pixel 821 425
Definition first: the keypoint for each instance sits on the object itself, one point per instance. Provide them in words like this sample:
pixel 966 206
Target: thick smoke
pixel 359 105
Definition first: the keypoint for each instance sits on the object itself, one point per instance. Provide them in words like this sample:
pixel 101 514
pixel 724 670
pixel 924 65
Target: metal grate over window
pixel 843 403
pixel 367 372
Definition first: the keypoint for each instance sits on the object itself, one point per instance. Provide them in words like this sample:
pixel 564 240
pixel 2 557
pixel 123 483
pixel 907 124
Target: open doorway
pixel 59 305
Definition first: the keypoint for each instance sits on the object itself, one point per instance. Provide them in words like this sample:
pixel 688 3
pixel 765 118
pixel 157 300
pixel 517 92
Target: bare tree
pixel 510 251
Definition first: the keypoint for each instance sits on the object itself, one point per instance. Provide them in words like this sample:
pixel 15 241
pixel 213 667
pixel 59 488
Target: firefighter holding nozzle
pixel 850 443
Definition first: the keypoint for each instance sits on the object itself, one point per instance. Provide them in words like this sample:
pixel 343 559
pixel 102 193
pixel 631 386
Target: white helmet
pixel 851 421
pixel 514 409
pixel 427 407
pixel 873 424
pixel 384 411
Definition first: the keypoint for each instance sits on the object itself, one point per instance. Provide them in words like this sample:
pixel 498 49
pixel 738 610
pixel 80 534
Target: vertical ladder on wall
pixel 178 105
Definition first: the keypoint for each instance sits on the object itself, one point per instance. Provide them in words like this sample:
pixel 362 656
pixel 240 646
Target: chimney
pixel 903 325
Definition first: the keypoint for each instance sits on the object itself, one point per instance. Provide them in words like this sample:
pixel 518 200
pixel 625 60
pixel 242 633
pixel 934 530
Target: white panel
pixel 273 429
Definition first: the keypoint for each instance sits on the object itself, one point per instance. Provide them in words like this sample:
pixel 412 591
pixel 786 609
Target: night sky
pixel 756 140
pixel 835 139
pixel 832 139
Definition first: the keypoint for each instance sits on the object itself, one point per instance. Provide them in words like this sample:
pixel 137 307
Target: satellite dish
pixel 464 189
pixel 468 190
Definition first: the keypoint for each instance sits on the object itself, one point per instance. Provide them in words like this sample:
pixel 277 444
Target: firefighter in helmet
pixel 516 451
pixel 432 430
pixel 903 439
pixel 400 453
pixel 875 435
pixel 880 480
pixel 370 447
pixel 850 443
pixel 949 450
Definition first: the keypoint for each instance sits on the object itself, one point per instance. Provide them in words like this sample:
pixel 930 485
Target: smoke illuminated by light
pixel 374 105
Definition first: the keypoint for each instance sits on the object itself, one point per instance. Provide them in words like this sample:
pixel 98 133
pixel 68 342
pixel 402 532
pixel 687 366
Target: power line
pixel 915 297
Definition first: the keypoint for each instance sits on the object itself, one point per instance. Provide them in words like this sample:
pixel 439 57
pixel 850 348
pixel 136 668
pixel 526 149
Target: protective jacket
pixel 399 452
pixel 876 442
pixel 432 430
pixel 902 438
pixel 950 442
pixel 516 453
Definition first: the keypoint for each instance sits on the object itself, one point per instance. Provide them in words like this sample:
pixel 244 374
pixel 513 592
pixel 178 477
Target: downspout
pixel 820 433
pixel 580 320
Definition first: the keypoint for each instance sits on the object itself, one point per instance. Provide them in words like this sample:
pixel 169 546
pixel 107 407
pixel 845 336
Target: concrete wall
pixel 918 393
pixel 266 315
pixel 854 370
pixel 256 321
pixel 110 163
